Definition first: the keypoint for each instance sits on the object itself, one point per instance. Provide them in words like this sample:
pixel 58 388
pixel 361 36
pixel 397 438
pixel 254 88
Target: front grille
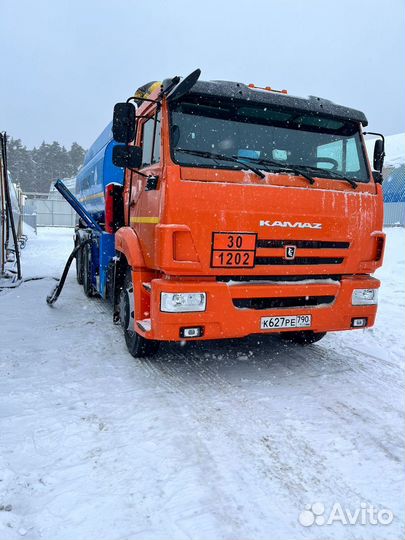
pixel 261 261
pixel 299 258
pixel 285 302
pixel 287 277
pixel 305 244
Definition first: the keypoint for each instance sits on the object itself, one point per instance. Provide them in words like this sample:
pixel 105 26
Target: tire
pixel 305 337
pixel 137 345
pixel 86 271
pixel 79 264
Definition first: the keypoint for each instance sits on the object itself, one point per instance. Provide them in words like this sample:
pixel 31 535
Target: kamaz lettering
pixel 295 225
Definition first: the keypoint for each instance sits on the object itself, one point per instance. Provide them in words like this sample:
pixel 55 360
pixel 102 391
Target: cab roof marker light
pixel 267 88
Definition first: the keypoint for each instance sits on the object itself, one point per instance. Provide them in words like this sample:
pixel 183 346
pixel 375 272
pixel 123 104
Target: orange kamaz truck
pixel 218 210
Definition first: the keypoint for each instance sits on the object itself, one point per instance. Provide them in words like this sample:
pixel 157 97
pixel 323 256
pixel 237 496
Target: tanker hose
pixel 54 295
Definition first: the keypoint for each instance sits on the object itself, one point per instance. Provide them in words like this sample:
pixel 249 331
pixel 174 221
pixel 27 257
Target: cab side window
pixel 352 156
pixel 151 141
pixel 333 150
pixel 344 152
pixel 156 145
pixel 147 142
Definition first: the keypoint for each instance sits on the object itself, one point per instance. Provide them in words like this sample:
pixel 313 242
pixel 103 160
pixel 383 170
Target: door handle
pixel 151 183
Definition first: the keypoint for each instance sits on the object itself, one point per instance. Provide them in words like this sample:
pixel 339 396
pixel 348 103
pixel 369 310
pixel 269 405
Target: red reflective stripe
pixel 109 209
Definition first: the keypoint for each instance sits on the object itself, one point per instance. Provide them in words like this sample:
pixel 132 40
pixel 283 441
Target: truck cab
pixel 244 210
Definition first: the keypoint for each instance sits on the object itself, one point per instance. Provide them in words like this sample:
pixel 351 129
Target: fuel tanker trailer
pixel 97 172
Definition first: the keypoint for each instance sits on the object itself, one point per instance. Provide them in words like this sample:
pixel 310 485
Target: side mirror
pixel 127 156
pixel 123 127
pixel 378 177
pixel 379 154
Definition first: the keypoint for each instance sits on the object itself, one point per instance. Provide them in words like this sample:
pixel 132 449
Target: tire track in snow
pixel 315 470
pixel 265 461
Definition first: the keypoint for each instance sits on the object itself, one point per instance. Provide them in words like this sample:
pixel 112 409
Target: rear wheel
pixel 79 264
pixel 86 271
pixel 305 337
pixel 137 345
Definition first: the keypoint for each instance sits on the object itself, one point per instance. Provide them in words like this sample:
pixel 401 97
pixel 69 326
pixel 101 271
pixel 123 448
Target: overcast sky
pixel 64 63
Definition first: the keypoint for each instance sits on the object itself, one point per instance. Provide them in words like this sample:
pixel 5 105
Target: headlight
pixel 364 297
pixel 182 302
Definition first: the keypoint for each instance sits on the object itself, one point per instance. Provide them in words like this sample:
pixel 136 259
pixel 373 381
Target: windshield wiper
pixel 331 174
pixel 221 157
pixel 284 168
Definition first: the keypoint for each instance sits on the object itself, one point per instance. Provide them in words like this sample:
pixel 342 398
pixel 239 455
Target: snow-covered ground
pixel 214 440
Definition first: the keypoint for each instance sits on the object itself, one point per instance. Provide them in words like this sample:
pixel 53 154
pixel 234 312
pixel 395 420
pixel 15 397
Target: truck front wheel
pixel 137 345
pixel 305 337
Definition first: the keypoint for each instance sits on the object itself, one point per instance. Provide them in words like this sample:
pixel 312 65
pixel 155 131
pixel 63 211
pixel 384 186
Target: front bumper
pixel 222 319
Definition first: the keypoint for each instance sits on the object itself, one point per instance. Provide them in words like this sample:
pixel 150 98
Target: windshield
pixel 257 133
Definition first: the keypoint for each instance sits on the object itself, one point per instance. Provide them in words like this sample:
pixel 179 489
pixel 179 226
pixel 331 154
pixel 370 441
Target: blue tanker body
pixel 98 171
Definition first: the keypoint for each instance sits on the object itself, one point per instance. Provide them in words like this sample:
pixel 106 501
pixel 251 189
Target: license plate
pixel 288 321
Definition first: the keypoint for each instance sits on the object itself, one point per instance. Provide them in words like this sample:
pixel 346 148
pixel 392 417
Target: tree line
pixel 36 169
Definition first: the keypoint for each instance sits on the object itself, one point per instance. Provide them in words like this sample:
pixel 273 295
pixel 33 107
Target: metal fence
pixel 52 212
pixel 31 220
pixel 394 214
pixel 394 196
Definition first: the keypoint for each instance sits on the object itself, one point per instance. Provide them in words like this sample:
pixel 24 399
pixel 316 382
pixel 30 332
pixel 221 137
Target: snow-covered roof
pixel 70 183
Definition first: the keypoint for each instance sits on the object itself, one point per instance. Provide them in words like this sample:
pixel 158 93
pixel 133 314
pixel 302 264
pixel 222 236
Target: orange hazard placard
pixel 233 250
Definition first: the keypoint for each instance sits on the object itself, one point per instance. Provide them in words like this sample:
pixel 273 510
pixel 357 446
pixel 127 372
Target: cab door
pixel 145 202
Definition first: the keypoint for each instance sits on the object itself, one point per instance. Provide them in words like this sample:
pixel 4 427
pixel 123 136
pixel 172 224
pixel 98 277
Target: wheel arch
pixel 127 243
pixel 130 256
